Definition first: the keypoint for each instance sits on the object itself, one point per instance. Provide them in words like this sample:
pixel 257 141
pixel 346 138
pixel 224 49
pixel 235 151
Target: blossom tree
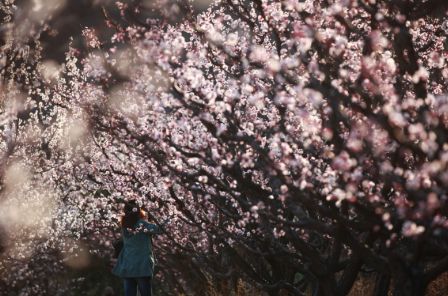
pixel 297 144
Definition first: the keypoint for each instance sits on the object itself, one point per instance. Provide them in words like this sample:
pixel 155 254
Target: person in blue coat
pixel 135 263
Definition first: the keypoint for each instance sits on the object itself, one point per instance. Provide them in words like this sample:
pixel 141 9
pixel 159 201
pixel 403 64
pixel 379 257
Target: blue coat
pixel 136 258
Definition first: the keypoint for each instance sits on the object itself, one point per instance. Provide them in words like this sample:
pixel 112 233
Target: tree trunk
pixel 409 283
pixel 382 285
pixel 324 287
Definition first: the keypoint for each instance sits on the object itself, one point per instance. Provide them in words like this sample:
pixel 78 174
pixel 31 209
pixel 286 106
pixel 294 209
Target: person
pixel 135 263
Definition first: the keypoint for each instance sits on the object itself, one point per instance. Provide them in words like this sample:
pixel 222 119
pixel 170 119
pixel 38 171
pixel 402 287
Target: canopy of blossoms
pixel 294 145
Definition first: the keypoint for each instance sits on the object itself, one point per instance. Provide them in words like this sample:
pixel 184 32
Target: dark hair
pixel 132 213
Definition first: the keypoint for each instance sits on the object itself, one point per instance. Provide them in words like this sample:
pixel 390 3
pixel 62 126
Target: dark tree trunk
pixel 410 282
pixel 325 287
pixel 349 275
pixel 382 285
